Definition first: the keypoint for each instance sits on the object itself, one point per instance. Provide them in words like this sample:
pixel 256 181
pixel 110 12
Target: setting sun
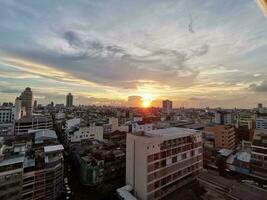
pixel 146 100
pixel 146 103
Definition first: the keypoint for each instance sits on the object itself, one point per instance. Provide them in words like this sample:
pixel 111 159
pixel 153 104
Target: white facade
pixel 261 123
pixel 160 161
pixel 17 114
pixel 89 132
pixel 141 127
pixel 6 115
pixel 72 122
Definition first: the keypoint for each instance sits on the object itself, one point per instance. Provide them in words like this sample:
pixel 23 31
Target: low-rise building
pixel 79 133
pixel 97 161
pixel 259 154
pixel 24 125
pixel 141 126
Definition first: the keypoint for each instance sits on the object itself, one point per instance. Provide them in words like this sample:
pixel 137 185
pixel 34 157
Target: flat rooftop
pixel 53 148
pixel 12 160
pixel 172 132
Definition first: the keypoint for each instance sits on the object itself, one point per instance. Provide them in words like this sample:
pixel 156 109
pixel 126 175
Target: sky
pixel 196 53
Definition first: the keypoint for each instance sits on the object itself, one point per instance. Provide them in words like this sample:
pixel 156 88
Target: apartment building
pixel 6 115
pixel 23 125
pixel 261 123
pixel 259 154
pixel 224 136
pixel 160 161
pixel 31 167
pixel 79 133
pixel 141 126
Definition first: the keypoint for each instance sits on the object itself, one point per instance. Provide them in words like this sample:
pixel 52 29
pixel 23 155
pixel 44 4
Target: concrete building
pixel 6 115
pixel 114 122
pixel 259 154
pixel 167 106
pixel 97 161
pixel 31 167
pixel 160 161
pixel 69 100
pixel 27 101
pixel 249 122
pixel 24 125
pixel 18 109
pixel 141 126
pixel 261 123
pixel 223 117
pixel 79 133
pixel 224 136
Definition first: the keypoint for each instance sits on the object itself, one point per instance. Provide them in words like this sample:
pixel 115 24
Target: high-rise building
pixel 35 104
pixel 223 117
pixel 27 101
pixel 69 100
pixel 224 136
pixel 167 106
pixel 17 114
pixel 160 161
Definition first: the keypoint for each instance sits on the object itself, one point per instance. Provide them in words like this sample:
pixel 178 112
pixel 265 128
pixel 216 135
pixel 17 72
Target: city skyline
pixel 195 54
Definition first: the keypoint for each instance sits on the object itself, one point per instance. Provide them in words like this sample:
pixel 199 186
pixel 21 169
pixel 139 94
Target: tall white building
pixel 17 114
pixel 161 161
pixel 6 115
pixel 27 101
pixel 69 100
pixel 167 106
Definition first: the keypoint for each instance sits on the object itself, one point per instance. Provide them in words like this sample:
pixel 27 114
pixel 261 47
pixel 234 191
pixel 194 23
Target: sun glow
pixel 146 100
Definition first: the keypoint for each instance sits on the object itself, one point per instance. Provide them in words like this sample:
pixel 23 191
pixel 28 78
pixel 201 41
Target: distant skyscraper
pixel 69 100
pixel 27 101
pixel 17 114
pixel 35 104
pixel 167 106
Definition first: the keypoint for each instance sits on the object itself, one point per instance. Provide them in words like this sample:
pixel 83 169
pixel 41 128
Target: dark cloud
pixel 260 87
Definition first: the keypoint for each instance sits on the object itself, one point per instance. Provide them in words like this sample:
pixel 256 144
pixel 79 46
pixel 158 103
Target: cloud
pixel 105 48
pixel 262 87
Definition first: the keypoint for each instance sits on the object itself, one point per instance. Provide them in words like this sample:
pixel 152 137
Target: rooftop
pixel 172 132
pixel 53 148
pixel 44 134
pixel 12 160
